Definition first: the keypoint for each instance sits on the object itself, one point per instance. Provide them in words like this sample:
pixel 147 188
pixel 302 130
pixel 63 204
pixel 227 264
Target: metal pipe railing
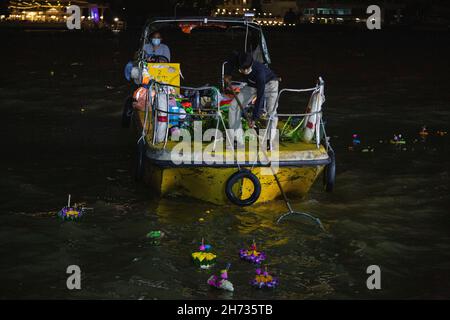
pixel 159 88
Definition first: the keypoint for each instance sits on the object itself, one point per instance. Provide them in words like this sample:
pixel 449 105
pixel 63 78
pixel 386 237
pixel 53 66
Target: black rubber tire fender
pixel 140 161
pixel 241 174
pixel 329 174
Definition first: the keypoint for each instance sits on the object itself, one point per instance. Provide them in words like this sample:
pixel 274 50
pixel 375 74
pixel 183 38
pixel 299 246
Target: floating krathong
pixel 252 255
pixel 264 280
pixel 424 132
pixel 221 282
pixel 398 140
pixel 71 213
pixel 155 236
pixel 356 140
pixel 204 258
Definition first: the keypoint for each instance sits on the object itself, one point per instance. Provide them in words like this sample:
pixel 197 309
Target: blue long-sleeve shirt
pixel 162 50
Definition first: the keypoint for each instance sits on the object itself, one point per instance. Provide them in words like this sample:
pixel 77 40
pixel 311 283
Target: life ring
pixel 240 175
pixel 140 160
pixel 127 112
pixel 312 120
pixel 329 174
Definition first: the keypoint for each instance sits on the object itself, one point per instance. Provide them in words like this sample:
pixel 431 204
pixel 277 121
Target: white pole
pixel 68 202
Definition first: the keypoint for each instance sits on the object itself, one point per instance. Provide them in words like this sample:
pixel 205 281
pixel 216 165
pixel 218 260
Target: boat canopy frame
pixel 155 24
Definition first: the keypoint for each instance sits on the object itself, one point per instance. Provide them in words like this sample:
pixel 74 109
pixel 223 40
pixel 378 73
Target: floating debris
pixel 398 140
pixel 356 141
pixel 368 149
pixel 155 236
pixel 424 133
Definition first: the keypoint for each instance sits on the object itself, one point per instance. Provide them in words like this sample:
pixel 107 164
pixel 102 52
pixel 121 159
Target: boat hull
pixel 298 166
pixel 209 183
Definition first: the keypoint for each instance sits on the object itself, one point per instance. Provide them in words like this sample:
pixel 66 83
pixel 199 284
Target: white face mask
pixel 246 71
pixel 156 41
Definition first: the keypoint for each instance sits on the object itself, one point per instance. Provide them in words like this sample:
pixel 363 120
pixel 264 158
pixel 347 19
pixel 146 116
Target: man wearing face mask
pixel 262 83
pixel 156 48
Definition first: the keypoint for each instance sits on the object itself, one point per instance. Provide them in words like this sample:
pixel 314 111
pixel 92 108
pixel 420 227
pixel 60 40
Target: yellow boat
pixel 249 176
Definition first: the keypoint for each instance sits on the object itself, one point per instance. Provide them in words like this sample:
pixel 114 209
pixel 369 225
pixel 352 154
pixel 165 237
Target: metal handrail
pixel 217 113
pixel 319 85
pixel 155 109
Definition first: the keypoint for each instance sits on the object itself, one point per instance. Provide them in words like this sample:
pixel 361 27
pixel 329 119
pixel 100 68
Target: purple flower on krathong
pixel 213 281
pixel 63 213
pixel 263 279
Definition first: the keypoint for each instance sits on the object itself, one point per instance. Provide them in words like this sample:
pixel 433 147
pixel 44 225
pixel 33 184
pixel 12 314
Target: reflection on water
pixel 60 132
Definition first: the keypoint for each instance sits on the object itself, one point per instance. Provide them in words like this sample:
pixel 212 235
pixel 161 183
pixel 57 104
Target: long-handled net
pixel 285 198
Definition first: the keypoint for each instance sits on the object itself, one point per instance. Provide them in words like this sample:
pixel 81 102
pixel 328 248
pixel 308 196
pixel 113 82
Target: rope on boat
pixel 285 198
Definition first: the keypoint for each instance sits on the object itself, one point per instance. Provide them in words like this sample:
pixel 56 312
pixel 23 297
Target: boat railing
pixel 161 89
pixel 320 128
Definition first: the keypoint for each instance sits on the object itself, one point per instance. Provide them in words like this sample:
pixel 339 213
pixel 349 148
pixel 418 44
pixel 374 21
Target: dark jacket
pixel 258 78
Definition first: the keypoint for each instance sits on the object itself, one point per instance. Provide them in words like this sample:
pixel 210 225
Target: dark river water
pixel 61 97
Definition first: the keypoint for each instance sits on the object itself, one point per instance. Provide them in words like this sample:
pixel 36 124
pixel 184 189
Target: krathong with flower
pixel 71 213
pixel 264 280
pixel 252 255
pixel 204 258
pixel 221 282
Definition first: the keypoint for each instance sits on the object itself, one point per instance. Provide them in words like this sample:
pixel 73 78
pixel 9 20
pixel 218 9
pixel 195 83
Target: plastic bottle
pixel 173 107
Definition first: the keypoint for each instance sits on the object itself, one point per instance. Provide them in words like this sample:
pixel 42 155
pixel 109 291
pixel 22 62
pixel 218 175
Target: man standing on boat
pixel 262 83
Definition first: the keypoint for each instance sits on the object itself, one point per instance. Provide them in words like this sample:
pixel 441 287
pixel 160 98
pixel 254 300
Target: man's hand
pixel 227 80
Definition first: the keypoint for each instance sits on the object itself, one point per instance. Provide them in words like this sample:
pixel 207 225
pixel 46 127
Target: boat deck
pixel 289 153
